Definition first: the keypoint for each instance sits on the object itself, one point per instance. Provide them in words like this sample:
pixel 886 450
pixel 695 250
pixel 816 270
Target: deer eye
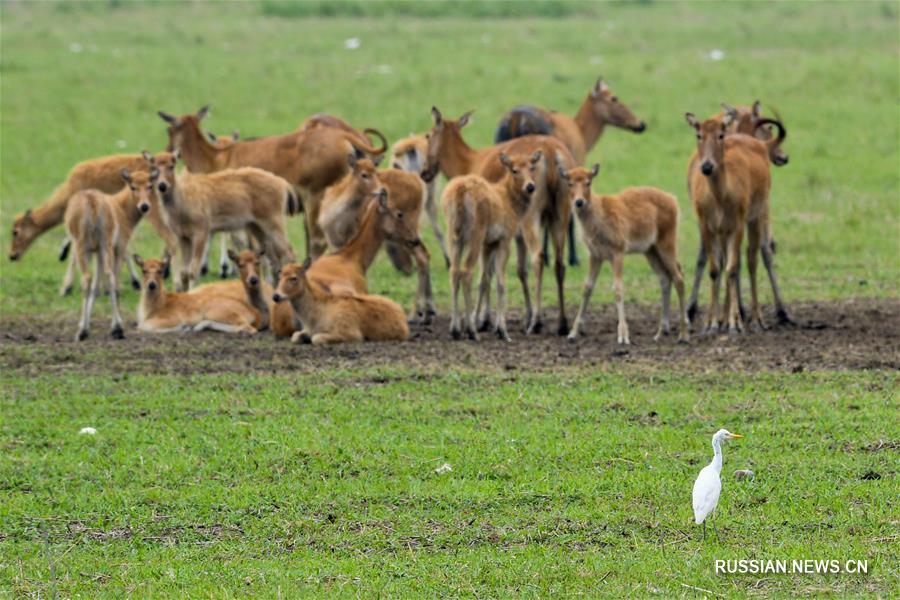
pixel 133 189
pixel 400 215
pixel 721 136
pixel 699 137
pixel 614 99
pixel 294 279
pixel 15 232
pixel 515 171
pixel 365 175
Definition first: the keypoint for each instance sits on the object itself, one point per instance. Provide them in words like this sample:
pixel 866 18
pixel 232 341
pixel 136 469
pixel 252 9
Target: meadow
pixel 283 471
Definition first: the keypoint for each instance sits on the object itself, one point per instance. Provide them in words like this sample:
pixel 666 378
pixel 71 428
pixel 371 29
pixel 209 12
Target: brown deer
pixel 160 311
pixel 196 205
pixel 311 159
pixel 580 134
pixel 101 225
pixel 102 174
pixel 743 120
pixel 335 318
pixel 409 155
pixel 637 220
pixel 449 153
pixel 343 202
pixel 482 219
pixel 729 186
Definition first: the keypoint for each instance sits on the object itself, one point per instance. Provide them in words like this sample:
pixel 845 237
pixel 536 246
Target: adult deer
pixel 580 133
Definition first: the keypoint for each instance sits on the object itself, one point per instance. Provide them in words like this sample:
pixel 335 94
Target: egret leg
pixel 716 531
pixel 704 531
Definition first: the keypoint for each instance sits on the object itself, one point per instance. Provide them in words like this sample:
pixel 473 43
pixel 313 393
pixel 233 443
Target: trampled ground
pixel 235 466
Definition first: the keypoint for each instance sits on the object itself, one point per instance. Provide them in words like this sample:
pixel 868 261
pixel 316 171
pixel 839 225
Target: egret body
pixel 709 483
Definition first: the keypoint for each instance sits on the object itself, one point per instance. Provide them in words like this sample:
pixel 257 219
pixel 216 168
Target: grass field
pixel 568 477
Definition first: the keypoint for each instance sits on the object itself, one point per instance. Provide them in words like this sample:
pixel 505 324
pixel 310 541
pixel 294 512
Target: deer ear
pixel 351 160
pixel 436 115
pixel 377 160
pixel 599 88
pixel 138 260
pixel 176 155
pixel 307 263
pixel 382 199
pixel 235 135
pixel 167 117
pixel 730 110
pixel 202 112
pixel 167 260
pixel 154 173
pixel 692 120
pixel 232 255
pixel 465 118
pixel 756 111
pixel 212 137
pixel 27 215
pixel 538 155
pixel 504 160
pixel 728 119
pixel 595 169
pixel 260 253
pixel 560 170
pixel 126 176
pixel 148 157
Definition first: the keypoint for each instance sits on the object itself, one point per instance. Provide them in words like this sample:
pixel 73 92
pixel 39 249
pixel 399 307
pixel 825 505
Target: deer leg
pixel 595 262
pixel 735 324
pixel 66 287
pixel 693 307
pixel 457 249
pixel 224 263
pixel 204 263
pixel 500 258
pixel 483 308
pixel 559 248
pixel 769 262
pixel 424 296
pixel 753 241
pixel 132 271
pixel 619 289
pixel 112 261
pixel 665 287
pixel 573 246
pixel 90 286
pixel 531 234
pixel 522 272
pixel 711 244
pixel 477 242
pixel 201 239
pixel 184 250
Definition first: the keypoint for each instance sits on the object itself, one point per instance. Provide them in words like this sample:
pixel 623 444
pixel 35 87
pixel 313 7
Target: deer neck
pixel 363 248
pixel 457 157
pixel 518 201
pixel 150 305
pixel 128 215
pixel 589 124
pixel 257 301
pixel 199 155
pixel 308 306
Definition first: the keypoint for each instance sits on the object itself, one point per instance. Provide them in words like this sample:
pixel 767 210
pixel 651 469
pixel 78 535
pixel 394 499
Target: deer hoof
pixel 783 318
pixel 135 284
pixel 82 335
pixel 485 325
pixel 117 333
pixel 65 291
pixel 455 334
pixel 692 312
pixel 503 335
pixel 563 328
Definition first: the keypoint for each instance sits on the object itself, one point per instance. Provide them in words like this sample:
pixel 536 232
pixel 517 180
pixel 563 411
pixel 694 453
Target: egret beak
pixel 732 436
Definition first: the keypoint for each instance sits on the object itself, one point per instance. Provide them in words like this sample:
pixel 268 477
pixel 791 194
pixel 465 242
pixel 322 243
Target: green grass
pixel 830 69
pixel 563 483
pixel 247 486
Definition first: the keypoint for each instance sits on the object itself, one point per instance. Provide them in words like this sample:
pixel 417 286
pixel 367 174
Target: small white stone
pixel 352 43
pixel 384 69
pixel 444 468
pixel 121 143
pixel 75 47
pixel 87 431
pixel 716 54
pixel 596 60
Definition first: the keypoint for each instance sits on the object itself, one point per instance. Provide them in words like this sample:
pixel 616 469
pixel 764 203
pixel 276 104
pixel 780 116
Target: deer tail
pixel 292 203
pixel 368 148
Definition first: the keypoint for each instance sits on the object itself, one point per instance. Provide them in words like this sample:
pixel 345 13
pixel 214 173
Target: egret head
pixel 724 434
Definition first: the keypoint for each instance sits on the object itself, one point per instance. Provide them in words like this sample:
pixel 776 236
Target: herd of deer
pixel 531 179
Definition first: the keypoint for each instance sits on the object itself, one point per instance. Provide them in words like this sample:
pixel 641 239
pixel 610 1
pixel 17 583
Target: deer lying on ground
pixel 384 219
pixel 103 174
pixel 743 120
pixel 580 134
pixel 729 186
pixel 160 311
pixel 482 219
pixel 101 225
pixel 311 159
pixel 409 155
pixel 334 318
pixel 637 220
pixel 196 205
pixel 449 153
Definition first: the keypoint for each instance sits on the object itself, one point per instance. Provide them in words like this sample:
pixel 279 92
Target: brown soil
pixel 857 334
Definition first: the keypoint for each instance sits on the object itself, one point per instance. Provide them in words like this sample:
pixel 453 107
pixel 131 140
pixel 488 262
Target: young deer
pixel 580 134
pixel 196 205
pixel 409 155
pixel 101 225
pixel 160 311
pixel 102 174
pixel 743 120
pixel 482 219
pixel 312 158
pixel 343 202
pixel 449 153
pixel 334 318
pixel 637 220
pixel 729 185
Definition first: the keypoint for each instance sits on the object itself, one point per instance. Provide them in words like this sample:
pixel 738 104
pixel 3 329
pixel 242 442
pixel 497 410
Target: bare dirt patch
pixel 847 335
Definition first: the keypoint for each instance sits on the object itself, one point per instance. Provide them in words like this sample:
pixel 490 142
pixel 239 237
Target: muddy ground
pixel 857 334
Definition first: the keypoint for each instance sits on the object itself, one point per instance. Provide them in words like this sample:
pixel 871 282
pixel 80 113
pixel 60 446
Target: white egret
pixel 709 483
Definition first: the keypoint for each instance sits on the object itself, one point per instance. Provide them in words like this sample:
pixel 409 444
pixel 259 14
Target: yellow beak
pixel 734 435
